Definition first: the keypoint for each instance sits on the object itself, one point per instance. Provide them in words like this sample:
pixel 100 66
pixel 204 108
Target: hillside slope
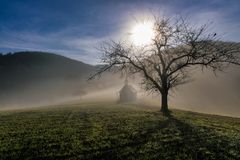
pixel 37 77
pixel 115 131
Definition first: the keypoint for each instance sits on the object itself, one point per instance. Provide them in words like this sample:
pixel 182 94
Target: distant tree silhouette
pixel 176 48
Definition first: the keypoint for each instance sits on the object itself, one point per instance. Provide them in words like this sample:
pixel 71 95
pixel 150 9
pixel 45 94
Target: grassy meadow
pixel 116 131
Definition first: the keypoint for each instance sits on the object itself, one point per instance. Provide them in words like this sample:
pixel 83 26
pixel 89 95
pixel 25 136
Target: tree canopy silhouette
pixel 176 48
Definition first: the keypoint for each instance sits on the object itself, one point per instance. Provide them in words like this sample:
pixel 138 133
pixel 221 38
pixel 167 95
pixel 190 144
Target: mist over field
pixel 74 31
pixel 31 79
pixel 208 93
pixel 50 79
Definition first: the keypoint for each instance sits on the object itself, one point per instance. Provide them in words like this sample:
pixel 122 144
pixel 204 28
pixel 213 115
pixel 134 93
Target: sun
pixel 142 33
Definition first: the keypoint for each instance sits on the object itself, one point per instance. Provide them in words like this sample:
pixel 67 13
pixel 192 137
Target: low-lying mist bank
pixel 42 79
pixel 35 78
pixel 206 93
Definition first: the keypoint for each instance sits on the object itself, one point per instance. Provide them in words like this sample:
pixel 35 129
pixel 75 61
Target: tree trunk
pixel 164 107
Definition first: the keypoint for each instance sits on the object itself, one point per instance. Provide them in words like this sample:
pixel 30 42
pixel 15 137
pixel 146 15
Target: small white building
pixel 127 93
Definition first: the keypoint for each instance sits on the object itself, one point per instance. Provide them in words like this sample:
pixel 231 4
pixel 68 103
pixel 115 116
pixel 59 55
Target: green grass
pixel 114 131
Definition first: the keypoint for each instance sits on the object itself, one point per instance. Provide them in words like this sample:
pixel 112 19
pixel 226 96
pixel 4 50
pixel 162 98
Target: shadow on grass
pixel 200 142
pixel 172 138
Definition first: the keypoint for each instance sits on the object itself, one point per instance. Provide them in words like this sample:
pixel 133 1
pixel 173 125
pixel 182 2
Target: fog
pixel 210 94
pixel 52 91
pixel 206 93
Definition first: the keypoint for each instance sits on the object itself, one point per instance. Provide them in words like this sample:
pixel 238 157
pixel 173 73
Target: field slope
pixel 114 131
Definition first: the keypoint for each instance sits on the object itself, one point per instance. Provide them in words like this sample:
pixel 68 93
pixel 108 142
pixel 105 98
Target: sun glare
pixel 142 33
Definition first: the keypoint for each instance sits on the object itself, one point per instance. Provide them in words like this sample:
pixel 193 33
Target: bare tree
pixel 176 48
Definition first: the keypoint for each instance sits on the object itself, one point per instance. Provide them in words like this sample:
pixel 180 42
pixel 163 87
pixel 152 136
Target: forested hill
pixel 38 76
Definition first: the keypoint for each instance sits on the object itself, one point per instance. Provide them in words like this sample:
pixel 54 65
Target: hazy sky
pixel 74 28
